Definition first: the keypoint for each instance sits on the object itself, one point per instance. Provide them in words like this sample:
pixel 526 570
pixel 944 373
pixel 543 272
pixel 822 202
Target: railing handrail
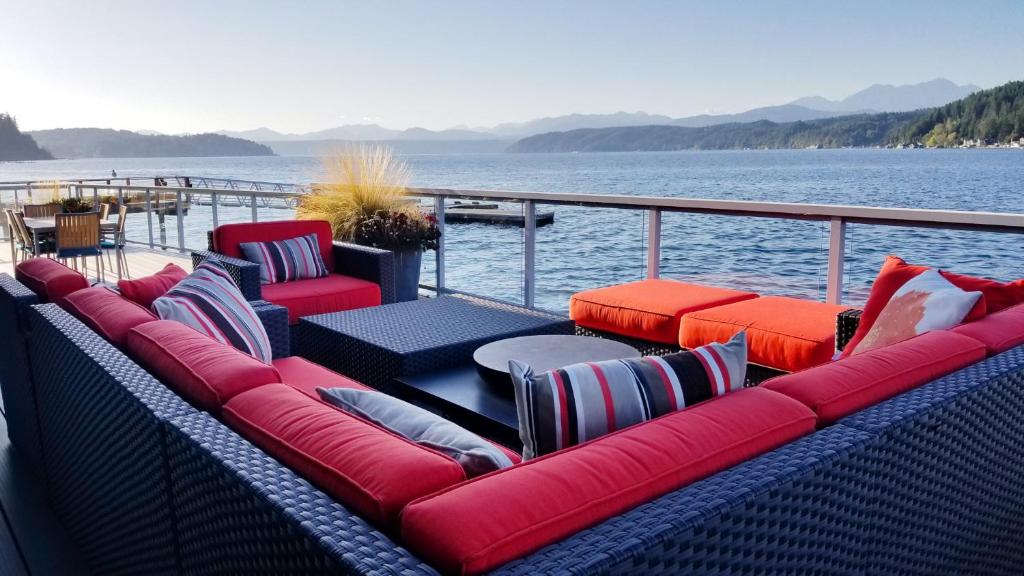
pixel 187 190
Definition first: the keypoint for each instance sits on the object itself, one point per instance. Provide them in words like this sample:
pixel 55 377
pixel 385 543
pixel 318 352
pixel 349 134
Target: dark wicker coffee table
pixel 376 345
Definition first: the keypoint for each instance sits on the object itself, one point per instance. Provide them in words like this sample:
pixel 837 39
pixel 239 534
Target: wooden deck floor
pixel 141 261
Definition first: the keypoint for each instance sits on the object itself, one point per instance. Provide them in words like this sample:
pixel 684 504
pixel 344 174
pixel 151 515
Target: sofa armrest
pixel 275 321
pixel 373 264
pixel 246 274
pixel 846 326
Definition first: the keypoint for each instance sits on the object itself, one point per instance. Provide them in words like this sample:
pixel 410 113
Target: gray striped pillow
pixel 568 406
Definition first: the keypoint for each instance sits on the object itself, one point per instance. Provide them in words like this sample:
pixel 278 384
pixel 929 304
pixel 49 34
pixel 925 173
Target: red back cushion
pixel 372 471
pixel 896 272
pixel 838 389
pixel 200 369
pixel 227 237
pixel 148 288
pixel 481 524
pixel 49 279
pixel 107 313
pixel 998 332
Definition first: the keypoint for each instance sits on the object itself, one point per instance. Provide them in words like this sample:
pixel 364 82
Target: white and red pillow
pixel 924 303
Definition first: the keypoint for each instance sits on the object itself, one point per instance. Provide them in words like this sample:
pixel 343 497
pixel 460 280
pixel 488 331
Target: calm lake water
pixel 594 247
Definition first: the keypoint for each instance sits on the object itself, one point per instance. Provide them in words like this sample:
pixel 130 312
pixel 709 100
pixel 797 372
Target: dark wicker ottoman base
pixel 376 345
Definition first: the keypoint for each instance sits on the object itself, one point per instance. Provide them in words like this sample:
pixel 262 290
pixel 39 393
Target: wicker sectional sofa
pixel 924 482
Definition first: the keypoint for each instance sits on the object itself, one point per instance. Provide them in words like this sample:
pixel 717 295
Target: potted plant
pixel 364 198
pixel 73 205
pixel 407 235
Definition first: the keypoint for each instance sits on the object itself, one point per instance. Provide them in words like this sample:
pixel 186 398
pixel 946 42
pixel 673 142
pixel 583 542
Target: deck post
pixel 529 252
pixel 181 222
pixel 149 215
pixel 255 216
pixel 213 208
pixel 836 252
pixel 653 243
pixel 439 254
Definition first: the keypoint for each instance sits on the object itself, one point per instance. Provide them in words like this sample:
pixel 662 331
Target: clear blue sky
pixel 189 65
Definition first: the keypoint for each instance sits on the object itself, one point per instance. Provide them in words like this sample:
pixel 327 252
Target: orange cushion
pixel 783 333
pixel 648 309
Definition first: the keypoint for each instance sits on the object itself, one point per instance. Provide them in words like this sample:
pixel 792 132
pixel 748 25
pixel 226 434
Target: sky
pixel 195 66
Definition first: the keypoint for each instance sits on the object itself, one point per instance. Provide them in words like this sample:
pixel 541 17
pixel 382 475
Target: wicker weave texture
pixel 846 327
pixel 801 509
pixel 275 321
pixel 372 264
pixel 18 391
pixel 245 274
pixel 375 345
pixel 240 512
pixel 103 446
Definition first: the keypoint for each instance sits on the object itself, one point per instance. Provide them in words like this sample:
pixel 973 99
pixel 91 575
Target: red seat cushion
pixel 49 279
pixel 200 369
pixel 783 333
pixel 227 237
pixel 148 288
pixel 998 332
pixel 896 272
pixel 332 293
pixel 648 309
pixel 841 388
pixel 488 521
pixel 306 376
pixel 107 312
pixel 372 471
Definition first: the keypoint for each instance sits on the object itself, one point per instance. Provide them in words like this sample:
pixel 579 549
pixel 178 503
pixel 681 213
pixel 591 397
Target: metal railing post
pixel 439 254
pixel 529 252
pixel 213 207
pixel 255 216
pixel 149 215
pixel 181 220
pixel 836 253
pixel 653 243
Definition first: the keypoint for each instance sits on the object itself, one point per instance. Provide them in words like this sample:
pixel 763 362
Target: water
pixel 589 247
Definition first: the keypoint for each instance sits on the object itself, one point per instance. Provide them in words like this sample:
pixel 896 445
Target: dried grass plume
pixel 361 181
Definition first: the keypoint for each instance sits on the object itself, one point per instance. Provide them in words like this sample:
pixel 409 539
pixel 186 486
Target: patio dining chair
pixel 41 210
pixel 21 247
pixel 78 236
pixel 21 232
pixel 115 241
pixel 104 211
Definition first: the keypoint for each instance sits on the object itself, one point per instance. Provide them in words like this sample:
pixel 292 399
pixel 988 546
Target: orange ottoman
pixel 787 334
pixel 647 310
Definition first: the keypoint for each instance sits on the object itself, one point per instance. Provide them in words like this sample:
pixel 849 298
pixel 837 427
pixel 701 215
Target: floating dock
pixel 480 213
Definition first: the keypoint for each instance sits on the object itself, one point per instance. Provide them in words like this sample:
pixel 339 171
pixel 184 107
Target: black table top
pixel 436 322
pixel 548 351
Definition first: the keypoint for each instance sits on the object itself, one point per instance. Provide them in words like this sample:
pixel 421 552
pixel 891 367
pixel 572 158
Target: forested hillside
pixel 14 145
pixel 992 116
pixel 104 143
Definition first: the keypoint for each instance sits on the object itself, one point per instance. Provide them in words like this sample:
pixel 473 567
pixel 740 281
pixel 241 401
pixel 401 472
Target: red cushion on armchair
pixel 227 237
pixel 332 293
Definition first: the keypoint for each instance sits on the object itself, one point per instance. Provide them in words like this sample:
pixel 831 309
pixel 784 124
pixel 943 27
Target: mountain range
pixel 875 98
pixel 994 116
pixel 106 143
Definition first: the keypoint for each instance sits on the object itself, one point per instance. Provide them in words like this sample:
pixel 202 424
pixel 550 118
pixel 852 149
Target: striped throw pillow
pixel 571 405
pixel 209 301
pixel 286 260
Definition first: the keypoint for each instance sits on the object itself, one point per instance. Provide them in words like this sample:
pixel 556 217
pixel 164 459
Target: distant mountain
pixel 16 145
pixel 889 98
pixel 995 115
pixel 574 121
pixel 359 132
pixel 106 143
pixel 427 146
pixel 783 113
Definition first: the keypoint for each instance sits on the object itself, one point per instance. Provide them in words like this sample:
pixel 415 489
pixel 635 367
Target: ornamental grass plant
pixel 361 181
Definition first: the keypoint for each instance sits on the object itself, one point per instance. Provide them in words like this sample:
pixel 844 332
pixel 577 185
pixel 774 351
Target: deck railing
pixel 837 218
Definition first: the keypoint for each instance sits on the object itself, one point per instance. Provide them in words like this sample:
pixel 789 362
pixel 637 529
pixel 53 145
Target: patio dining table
pixel 40 227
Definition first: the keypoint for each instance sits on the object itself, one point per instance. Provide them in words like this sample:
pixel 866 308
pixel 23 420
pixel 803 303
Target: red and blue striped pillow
pixel 209 301
pixel 571 405
pixel 286 260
